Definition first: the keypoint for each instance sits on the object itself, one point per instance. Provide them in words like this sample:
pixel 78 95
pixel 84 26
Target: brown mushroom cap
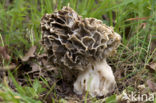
pixel 72 41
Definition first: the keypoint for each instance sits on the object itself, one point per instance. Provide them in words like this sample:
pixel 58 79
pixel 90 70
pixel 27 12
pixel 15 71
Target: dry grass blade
pixel 144 18
pixel 9 67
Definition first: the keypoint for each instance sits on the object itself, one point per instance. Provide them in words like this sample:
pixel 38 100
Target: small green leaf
pixel 111 99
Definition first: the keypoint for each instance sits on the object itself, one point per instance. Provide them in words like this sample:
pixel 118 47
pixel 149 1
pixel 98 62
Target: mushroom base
pixel 97 80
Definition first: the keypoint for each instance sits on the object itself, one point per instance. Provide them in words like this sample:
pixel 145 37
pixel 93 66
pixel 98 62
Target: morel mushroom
pixel 81 44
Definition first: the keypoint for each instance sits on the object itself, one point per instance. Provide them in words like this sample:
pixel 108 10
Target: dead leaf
pixel 151 85
pixel 151 67
pixel 141 87
pixel 153 42
pixel 9 67
pixel 35 67
pixel 29 54
pixel 143 25
pixel 42 56
pixel 4 52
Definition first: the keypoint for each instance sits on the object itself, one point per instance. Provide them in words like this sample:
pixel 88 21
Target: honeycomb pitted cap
pixel 72 41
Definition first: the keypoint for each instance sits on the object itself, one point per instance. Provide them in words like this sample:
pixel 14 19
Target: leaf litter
pixel 37 66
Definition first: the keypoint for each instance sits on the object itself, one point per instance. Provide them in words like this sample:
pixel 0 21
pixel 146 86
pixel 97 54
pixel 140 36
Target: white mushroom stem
pixel 97 81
